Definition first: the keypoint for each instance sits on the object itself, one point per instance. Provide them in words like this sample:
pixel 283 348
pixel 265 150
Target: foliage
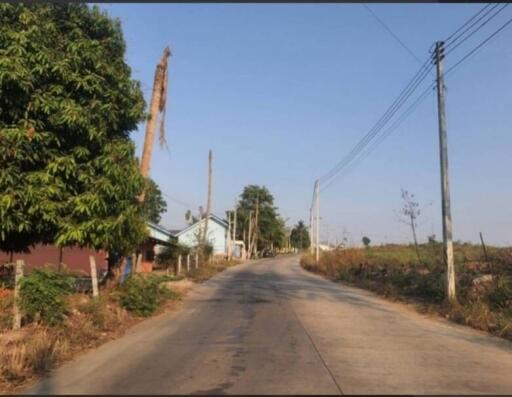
pixel 154 204
pixel 42 295
pixel 143 294
pixel 485 289
pixel 270 228
pixel 169 255
pixel 68 173
pixel 139 294
pixel 366 241
pixel 299 237
pixel 190 218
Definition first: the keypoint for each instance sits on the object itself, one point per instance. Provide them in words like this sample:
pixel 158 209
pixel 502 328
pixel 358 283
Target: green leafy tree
pixel 366 241
pixel 299 237
pixel 68 173
pixel 271 228
pixel 154 204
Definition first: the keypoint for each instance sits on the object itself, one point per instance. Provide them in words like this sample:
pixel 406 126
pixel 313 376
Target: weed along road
pixel 270 327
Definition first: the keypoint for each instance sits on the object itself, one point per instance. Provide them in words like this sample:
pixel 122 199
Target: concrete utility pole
pixel 234 226
pixel 311 240
pixel 317 246
pixel 445 187
pixel 249 237
pixel 157 105
pixel 229 236
pixel 209 201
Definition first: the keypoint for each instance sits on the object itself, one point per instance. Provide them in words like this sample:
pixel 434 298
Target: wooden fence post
pixel 94 276
pixel 17 278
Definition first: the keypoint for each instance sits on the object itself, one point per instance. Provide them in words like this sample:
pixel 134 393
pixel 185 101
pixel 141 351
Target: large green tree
pixel 299 237
pixel 68 173
pixel 154 204
pixel 271 228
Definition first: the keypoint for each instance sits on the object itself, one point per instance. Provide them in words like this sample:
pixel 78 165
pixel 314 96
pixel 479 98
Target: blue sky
pixel 281 92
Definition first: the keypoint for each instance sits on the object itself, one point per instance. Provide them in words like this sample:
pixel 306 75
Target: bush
pixel 140 295
pixel 42 295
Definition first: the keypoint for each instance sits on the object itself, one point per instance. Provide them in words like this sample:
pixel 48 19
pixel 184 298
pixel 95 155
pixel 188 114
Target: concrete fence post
pixel 94 276
pixel 197 260
pixel 179 263
pixel 188 263
pixel 16 324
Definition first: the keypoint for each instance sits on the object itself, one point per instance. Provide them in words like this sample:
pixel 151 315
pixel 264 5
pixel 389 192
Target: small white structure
pixel 217 234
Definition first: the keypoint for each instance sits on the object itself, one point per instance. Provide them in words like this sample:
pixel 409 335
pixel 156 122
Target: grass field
pixel 484 282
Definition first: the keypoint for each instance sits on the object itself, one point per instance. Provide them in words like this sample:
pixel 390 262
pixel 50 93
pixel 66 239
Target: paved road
pixel 272 328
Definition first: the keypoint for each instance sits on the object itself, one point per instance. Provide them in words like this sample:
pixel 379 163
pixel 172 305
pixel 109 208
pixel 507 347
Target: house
pixel 217 234
pixel 158 238
pixel 76 259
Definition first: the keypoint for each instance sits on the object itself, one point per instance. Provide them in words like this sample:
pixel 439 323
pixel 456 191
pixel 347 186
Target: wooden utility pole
pixel 317 245
pixel 445 187
pixel 209 201
pixel 157 105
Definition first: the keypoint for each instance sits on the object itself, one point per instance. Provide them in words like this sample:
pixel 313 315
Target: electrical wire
pixel 392 110
pixel 474 31
pixel 482 43
pixel 391 32
pixel 450 40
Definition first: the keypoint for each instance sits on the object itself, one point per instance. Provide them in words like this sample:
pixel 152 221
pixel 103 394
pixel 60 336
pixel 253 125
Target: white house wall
pixel 217 235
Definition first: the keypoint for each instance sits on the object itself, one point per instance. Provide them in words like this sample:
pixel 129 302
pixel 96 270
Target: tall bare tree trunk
pixel 158 99
pixel 209 201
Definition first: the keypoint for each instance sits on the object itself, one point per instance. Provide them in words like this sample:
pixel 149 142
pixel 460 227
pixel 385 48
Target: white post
pixel 94 276
pixel 17 278
pixel 179 263
pixel 188 263
pixel 197 260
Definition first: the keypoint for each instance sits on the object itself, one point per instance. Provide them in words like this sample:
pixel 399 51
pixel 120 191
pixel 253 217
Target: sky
pixel 282 92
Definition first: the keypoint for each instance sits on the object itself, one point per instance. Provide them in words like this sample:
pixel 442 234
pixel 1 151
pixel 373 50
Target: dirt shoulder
pixel 29 353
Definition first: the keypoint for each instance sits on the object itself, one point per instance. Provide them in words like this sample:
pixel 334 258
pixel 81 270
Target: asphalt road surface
pixel 270 327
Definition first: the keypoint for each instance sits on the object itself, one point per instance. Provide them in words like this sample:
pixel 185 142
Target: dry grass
pixel 209 270
pixel 484 285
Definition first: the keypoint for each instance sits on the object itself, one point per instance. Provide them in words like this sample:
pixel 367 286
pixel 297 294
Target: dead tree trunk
pixel 157 105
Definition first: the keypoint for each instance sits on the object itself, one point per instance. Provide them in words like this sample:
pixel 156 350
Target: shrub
pixel 140 295
pixel 42 295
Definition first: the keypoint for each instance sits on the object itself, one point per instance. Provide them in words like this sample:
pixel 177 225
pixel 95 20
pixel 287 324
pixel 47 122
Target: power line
pixel 392 110
pixel 402 98
pixel 476 30
pixel 419 100
pixel 478 46
pixel 468 21
pixel 391 32
pixel 177 201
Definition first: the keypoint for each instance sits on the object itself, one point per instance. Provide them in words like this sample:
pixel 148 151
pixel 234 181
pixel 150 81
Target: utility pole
pixel 317 245
pixel 229 236
pixel 445 187
pixel 209 201
pixel 234 226
pixel 157 105
pixel 249 237
pixel 312 244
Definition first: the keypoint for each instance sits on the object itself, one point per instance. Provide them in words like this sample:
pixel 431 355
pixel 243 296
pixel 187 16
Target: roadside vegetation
pixel 416 274
pixel 58 323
